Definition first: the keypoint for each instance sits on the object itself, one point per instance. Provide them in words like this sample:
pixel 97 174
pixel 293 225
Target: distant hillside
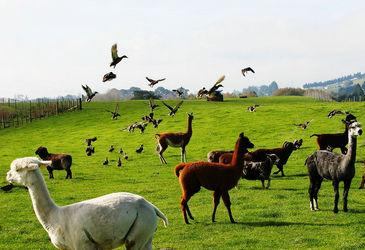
pixel 358 77
pixel 137 93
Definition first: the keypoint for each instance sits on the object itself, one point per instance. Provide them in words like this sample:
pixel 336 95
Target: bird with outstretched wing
pixel 90 94
pixel 173 110
pixel 245 70
pixel 116 59
pixel 154 82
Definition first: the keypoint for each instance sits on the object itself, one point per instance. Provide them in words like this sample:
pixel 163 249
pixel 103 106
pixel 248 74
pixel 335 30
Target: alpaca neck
pixel 237 157
pixel 190 127
pixel 42 202
pixel 351 152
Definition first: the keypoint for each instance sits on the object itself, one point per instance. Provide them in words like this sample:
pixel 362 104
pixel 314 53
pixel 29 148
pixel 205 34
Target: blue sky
pixel 50 48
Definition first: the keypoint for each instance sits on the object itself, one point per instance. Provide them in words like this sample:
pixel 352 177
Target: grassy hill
pixel 274 218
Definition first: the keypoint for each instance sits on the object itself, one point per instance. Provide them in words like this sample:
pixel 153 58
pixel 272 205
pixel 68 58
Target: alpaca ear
pixel 242 134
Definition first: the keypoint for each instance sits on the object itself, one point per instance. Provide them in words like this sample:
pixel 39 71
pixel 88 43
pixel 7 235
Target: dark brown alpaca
pixel 217 177
pixel 177 140
pixel 59 161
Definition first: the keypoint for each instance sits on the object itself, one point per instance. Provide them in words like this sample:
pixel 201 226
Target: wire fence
pixel 15 113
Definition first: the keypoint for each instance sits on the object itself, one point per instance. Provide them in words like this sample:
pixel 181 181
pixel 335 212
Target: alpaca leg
pixel 337 196
pixel 362 182
pixel 183 154
pixel 227 203
pixel 183 205
pixel 346 188
pixel 189 213
pixel 268 183
pixel 311 191
pixel 50 171
pixel 280 169
pixel 160 149
pixel 263 183
pixel 216 197
pixel 69 174
pixel 316 190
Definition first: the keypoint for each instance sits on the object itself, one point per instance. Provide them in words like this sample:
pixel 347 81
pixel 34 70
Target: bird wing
pixel 150 80
pixel 87 89
pixel 246 70
pixel 168 106
pixel 160 80
pixel 220 79
pixel 116 110
pixel 114 51
pixel 178 105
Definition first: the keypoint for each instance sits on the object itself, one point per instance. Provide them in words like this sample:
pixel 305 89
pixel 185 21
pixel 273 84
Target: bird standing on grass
pixel 303 125
pixel 119 163
pixel 115 57
pixel 115 113
pixel 106 161
pixel 111 149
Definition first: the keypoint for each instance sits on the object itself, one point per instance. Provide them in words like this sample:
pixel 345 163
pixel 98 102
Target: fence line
pixel 15 113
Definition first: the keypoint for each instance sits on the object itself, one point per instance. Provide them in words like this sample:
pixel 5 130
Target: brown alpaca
pixel 217 177
pixel 177 140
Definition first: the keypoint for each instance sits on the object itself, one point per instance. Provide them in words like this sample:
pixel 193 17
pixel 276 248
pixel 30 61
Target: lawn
pixel 274 218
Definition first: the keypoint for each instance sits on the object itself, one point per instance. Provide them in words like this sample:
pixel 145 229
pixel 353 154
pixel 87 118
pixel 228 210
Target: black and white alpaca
pixel 323 164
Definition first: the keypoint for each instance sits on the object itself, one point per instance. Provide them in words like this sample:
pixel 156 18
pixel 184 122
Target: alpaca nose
pixel 360 132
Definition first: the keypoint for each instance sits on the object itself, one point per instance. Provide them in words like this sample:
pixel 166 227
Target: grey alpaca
pixel 332 166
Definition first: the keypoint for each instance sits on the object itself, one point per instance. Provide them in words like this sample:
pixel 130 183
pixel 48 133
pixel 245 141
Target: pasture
pixel 276 218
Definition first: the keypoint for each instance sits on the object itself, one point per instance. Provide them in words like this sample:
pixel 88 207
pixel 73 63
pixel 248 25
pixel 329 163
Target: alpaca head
pixel 290 145
pixel 355 129
pixel 244 142
pixel 42 152
pixel 190 116
pixel 20 168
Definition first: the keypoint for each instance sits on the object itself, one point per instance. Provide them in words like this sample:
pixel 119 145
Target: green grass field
pixel 275 218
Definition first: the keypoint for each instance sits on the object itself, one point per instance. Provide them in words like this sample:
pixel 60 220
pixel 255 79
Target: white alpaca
pixel 105 222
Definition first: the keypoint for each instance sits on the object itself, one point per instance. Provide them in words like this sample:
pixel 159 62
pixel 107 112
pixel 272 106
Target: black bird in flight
pixel 335 112
pixel 202 92
pixel 216 86
pixel 173 110
pixel 109 76
pixel 152 104
pixel 303 125
pixel 178 92
pixel 140 149
pixel 90 94
pixel 111 149
pixel 115 113
pixel 90 140
pixel 115 57
pixel 245 70
pixel 154 82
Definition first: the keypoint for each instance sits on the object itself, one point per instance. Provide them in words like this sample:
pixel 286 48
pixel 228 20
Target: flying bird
pixel 120 151
pixel 251 108
pixel 178 92
pixel 115 113
pixel 140 149
pixel 154 82
pixel 111 149
pixel 90 140
pixel 152 104
pixel 106 162
pixel 173 110
pixel 90 94
pixel 245 70
pixel 335 112
pixel 303 125
pixel 109 76
pixel 202 92
pixel 217 85
pixel 115 57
